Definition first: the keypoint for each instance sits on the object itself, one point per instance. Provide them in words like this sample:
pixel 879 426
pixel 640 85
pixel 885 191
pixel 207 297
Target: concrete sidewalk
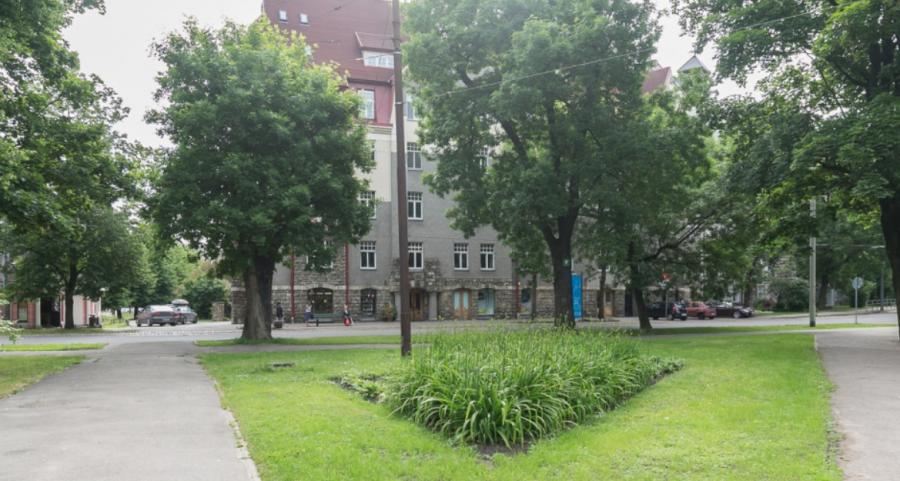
pixel 865 367
pixel 138 412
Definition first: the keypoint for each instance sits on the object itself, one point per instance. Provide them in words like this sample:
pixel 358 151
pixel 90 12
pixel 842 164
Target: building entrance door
pixel 417 305
pixel 461 304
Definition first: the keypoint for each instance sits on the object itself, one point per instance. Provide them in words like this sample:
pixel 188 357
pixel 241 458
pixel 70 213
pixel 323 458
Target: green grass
pixel 329 341
pixel 743 408
pixel 78 331
pixel 737 329
pixel 52 347
pixel 18 372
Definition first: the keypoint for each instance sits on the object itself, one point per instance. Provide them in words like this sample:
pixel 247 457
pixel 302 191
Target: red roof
pixel 656 79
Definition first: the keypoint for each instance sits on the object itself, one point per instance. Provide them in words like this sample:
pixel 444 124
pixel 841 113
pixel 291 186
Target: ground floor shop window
pixel 486 302
pixel 367 302
pixel 322 300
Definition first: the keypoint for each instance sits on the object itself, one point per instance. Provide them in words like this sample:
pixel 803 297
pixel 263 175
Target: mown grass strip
pixel 337 340
pixel 51 347
pixel 18 372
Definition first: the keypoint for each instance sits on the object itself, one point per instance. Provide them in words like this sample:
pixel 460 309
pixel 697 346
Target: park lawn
pixel 78 331
pixel 742 408
pixel 18 372
pixel 52 347
pixel 329 341
pixel 729 329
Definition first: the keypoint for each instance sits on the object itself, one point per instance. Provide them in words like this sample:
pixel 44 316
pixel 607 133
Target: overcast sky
pixel 116 46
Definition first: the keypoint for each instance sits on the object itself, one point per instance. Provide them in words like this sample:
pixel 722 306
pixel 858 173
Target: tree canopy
pixel 267 148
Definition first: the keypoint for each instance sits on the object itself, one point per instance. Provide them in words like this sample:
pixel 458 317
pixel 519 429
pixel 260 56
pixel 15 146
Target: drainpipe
pixel 293 274
pixel 517 300
pixel 347 274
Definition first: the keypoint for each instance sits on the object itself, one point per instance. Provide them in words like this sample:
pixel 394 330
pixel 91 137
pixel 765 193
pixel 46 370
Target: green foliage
pixel 203 292
pixel 490 74
pixel 515 387
pixel 267 151
pixel 9 330
pixel 791 294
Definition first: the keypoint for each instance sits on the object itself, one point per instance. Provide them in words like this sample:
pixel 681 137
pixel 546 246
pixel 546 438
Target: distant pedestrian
pixel 348 320
pixel 279 316
pixel 307 314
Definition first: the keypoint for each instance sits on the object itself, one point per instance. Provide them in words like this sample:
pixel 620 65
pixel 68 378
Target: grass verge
pixel 18 372
pixel 315 341
pixel 738 329
pixel 79 331
pixel 52 347
pixel 743 408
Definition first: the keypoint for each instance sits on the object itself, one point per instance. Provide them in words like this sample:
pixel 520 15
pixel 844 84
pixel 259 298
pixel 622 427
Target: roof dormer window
pixel 304 19
pixel 378 59
pixel 282 15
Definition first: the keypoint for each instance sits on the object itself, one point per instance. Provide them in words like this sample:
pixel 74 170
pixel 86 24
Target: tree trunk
pixel 119 313
pixel 822 296
pixel 637 293
pixel 69 293
pixel 258 289
pixel 637 289
pixel 134 312
pixel 602 314
pixel 534 293
pixel 890 226
pixel 561 258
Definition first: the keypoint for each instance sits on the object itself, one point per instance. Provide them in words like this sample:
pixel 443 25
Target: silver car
pixel 157 314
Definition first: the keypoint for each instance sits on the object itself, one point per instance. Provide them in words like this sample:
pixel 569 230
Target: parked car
pixel 700 310
pixel 185 315
pixel 672 310
pixel 156 314
pixel 737 311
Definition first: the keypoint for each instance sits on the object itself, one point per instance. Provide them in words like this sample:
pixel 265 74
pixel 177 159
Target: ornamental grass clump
pixel 515 387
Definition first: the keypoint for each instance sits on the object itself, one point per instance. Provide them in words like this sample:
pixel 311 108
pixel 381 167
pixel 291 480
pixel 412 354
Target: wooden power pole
pixel 402 232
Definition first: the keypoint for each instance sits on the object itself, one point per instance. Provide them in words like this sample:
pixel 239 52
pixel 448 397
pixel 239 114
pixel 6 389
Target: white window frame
pixel 409 109
pixel 414 207
pixel 484 156
pixel 368 198
pixel 367 110
pixel 368 257
pixel 413 156
pixel 487 257
pixel 378 59
pixel 460 256
pixel 304 19
pixel 416 255
pixel 282 16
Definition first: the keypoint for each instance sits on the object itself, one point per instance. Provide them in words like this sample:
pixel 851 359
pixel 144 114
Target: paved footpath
pixel 865 367
pixel 136 412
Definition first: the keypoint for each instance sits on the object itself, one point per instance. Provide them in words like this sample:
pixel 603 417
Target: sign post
pixel 857 284
pixel 576 297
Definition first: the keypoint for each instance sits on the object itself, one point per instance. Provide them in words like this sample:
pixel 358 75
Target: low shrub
pixel 512 387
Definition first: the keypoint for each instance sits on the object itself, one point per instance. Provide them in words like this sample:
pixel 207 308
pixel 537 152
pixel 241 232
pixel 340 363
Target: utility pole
pixel 402 233
pixel 812 269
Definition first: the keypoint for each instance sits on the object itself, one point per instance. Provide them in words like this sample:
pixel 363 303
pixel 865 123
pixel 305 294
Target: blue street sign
pixel 576 296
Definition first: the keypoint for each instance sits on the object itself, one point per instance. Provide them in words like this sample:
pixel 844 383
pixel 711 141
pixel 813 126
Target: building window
pixel 414 205
pixel 413 156
pixel 367 109
pixel 372 149
pixel 322 301
pixel 487 257
pixel 461 257
pixel 415 255
pixel 282 15
pixel 367 255
pixel 378 59
pixel 304 19
pixel 368 198
pixel 484 157
pixel 409 107
pixel 367 302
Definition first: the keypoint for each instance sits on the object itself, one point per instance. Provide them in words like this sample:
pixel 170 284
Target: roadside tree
pixel 267 151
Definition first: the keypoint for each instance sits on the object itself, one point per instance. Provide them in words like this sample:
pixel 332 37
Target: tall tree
pixel 550 88
pixel 837 64
pixel 267 147
pixel 91 257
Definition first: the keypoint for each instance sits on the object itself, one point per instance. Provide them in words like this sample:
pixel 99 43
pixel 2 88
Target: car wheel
pixel 655 318
pixel 683 318
pixel 701 316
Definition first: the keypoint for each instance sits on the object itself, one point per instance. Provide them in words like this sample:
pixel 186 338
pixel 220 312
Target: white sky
pixel 116 47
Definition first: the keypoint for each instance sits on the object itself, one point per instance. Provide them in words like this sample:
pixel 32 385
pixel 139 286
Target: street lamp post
pixel 812 269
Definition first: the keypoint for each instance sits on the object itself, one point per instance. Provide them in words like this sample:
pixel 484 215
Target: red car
pixel 700 310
